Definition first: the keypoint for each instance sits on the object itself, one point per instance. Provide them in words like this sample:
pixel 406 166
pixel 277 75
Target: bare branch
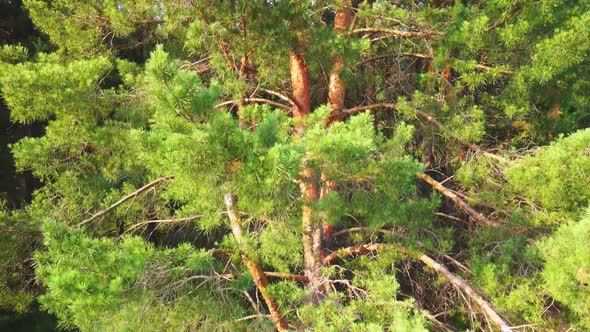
pixel 442 326
pixel 399 54
pixel 425 116
pixel 124 199
pixel 455 280
pixel 255 101
pixel 488 68
pixel 397 33
pixel 462 285
pixel 252 317
pixel 479 66
pixel 419 243
pixel 478 217
pixel 279 95
pixel 162 221
pixel 220 251
pixel 506 18
pixel 353 251
pixel 287 276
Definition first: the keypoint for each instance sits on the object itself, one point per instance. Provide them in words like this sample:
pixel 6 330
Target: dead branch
pixel 252 317
pixel 476 216
pixel 440 325
pixel 255 101
pixel 279 95
pixel 455 280
pixel 399 54
pixel 124 199
pixel 462 285
pixel 460 265
pixel 353 251
pixel 444 215
pixel 397 33
pixel 220 252
pixel 488 68
pixel 479 66
pixel 506 18
pixel 162 221
pixel 428 118
pixel 287 276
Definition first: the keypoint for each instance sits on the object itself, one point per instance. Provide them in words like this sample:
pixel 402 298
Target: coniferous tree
pixel 324 165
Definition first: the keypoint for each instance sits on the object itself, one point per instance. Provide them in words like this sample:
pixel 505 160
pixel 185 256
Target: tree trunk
pixel 300 86
pixel 336 96
pixel 308 179
pixel 337 91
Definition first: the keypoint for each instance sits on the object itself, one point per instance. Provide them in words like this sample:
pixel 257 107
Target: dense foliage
pixel 309 165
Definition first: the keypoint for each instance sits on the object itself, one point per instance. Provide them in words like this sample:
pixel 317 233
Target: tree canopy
pixel 335 165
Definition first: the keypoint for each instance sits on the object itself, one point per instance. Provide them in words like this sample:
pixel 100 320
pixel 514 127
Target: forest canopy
pixel 340 165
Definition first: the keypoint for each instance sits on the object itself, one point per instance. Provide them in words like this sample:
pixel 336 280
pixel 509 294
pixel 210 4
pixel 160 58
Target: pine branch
pixel 255 101
pixel 124 199
pixel 398 33
pixel 432 121
pixel 162 221
pixel 253 267
pixel 287 276
pixel 455 280
pixel 478 217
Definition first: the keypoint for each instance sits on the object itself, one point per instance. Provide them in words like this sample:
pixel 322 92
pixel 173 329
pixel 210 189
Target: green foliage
pixel 566 270
pixel 13 54
pixel 97 284
pixel 557 176
pixel 132 93
pixel 18 239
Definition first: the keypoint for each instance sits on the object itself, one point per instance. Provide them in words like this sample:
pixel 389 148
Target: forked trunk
pixel 308 179
pixel 336 96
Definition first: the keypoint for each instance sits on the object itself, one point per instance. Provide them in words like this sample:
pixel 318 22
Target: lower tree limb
pixel 455 280
pixel 485 306
pixel 478 217
pixel 432 121
pixel 253 267
pixel 124 199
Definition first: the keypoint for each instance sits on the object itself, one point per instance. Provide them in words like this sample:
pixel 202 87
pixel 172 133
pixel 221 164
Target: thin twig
pixel 255 101
pixel 455 280
pixel 429 119
pixel 397 33
pixel 279 95
pixel 124 199
pixel 162 221
pixel 478 217
pixel 252 317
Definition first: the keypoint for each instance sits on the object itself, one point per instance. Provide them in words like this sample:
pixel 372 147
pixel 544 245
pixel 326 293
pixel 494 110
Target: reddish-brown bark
pixel 336 90
pixel 260 278
pixel 308 179
pixel 336 97
pixel 300 86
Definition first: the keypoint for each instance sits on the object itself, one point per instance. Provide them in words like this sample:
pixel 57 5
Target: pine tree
pixel 236 165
